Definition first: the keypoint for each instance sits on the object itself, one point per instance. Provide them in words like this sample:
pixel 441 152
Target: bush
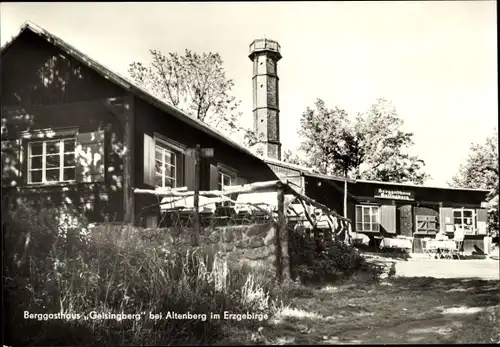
pixel 319 260
pixel 53 266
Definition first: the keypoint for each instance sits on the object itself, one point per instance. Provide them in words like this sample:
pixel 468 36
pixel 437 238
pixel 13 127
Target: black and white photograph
pixel 249 173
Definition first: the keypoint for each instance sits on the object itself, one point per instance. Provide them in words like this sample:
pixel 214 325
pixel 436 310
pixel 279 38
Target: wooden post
pixel 282 237
pixel 345 198
pixel 196 222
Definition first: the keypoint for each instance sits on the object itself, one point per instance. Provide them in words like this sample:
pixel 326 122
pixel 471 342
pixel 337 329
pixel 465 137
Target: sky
pixel 436 61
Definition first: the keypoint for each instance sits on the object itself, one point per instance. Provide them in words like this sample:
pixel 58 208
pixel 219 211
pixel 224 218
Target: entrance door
pixel 405 220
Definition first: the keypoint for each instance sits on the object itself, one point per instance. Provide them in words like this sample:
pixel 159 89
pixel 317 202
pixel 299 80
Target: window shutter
pixel 189 169
pixel 90 157
pixel 214 177
pixel 445 218
pixel 11 162
pixel 388 218
pixel 179 170
pixel 482 218
pixel 149 160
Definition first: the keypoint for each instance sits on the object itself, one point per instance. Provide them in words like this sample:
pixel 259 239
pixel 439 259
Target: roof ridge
pixel 125 82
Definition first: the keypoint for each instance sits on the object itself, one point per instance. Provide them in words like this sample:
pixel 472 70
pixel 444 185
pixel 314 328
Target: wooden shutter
pixel 214 177
pixel 90 157
pixel 149 160
pixel 11 162
pixel 482 219
pixel 445 218
pixel 189 169
pixel 388 218
pixel 426 224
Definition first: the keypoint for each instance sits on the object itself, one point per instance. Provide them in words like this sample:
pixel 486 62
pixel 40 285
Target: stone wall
pixel 259 246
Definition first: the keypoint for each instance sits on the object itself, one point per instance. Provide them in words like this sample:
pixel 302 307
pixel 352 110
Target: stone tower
pixel 265 55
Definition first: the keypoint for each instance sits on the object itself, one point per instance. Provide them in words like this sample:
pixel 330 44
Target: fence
pixel 256 203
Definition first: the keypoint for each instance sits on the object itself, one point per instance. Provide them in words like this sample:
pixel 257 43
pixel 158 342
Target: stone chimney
pixel 265 55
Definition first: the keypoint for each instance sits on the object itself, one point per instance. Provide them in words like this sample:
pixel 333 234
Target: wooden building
pixel 385 209
pixel 74 131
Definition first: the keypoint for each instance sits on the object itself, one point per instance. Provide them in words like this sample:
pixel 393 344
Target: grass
pixel 51 268
pixel 55 269
pixel 399 310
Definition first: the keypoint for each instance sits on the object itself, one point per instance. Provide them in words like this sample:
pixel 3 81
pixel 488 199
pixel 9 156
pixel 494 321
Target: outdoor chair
pixel 431 247
pixel 459 248
pixel 425 246
pixel 243 218
pixel 447 253
pixel 223 215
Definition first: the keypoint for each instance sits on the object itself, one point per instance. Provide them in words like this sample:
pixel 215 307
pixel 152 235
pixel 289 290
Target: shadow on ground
pixel 398 310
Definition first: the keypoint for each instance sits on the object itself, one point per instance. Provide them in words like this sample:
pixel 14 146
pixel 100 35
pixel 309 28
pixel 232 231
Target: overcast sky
pixel 436 61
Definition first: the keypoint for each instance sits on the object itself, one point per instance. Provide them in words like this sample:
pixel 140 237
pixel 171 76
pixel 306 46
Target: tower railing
pixel 265 44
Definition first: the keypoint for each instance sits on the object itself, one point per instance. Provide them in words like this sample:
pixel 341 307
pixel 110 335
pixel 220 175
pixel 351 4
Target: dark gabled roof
pixel 307 172
pixel 422 186
pixel 126 84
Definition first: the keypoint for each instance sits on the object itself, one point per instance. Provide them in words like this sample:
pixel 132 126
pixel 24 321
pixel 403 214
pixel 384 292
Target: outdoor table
pixel 397 243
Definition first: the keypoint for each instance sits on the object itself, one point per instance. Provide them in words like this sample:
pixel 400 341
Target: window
pixel 166 165
pixel 466 219
pixel 367 218
pixel 51 161
pixel 226 178
pixel 426 224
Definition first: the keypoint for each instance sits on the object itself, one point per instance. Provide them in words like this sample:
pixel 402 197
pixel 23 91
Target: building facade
pixel 75 132
pixel 385 209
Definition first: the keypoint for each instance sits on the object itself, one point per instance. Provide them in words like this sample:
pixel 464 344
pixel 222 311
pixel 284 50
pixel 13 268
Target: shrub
pixel 53 267
pixel 319 260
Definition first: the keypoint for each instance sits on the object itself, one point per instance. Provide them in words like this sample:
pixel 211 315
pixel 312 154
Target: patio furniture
pixel 429 247
pixel 458 251
pixel 396 243
pixel 441 248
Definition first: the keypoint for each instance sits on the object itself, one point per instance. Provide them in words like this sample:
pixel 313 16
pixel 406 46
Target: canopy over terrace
pixel 259 197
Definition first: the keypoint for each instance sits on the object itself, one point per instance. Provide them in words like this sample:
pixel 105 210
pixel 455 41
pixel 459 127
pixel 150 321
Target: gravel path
pixel 487 269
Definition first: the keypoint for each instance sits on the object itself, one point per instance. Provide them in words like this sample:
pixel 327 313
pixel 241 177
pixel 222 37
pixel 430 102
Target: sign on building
pixel 394 194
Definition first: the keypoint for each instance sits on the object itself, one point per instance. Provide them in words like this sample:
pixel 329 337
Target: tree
pixel 292 158
pixel 195 83
pixel 330 140
pixel 370 147
pixel 385 144
pixel 481 171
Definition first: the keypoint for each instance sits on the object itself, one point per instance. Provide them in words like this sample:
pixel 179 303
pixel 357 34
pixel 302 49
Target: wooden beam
pixel 282 236
pixel 320 206
pixel 196 228
pixel 246 188
pixel 131 126
pixel 128 136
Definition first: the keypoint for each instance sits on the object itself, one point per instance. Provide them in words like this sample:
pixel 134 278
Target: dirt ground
pixel 487 269
pixel 407 308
